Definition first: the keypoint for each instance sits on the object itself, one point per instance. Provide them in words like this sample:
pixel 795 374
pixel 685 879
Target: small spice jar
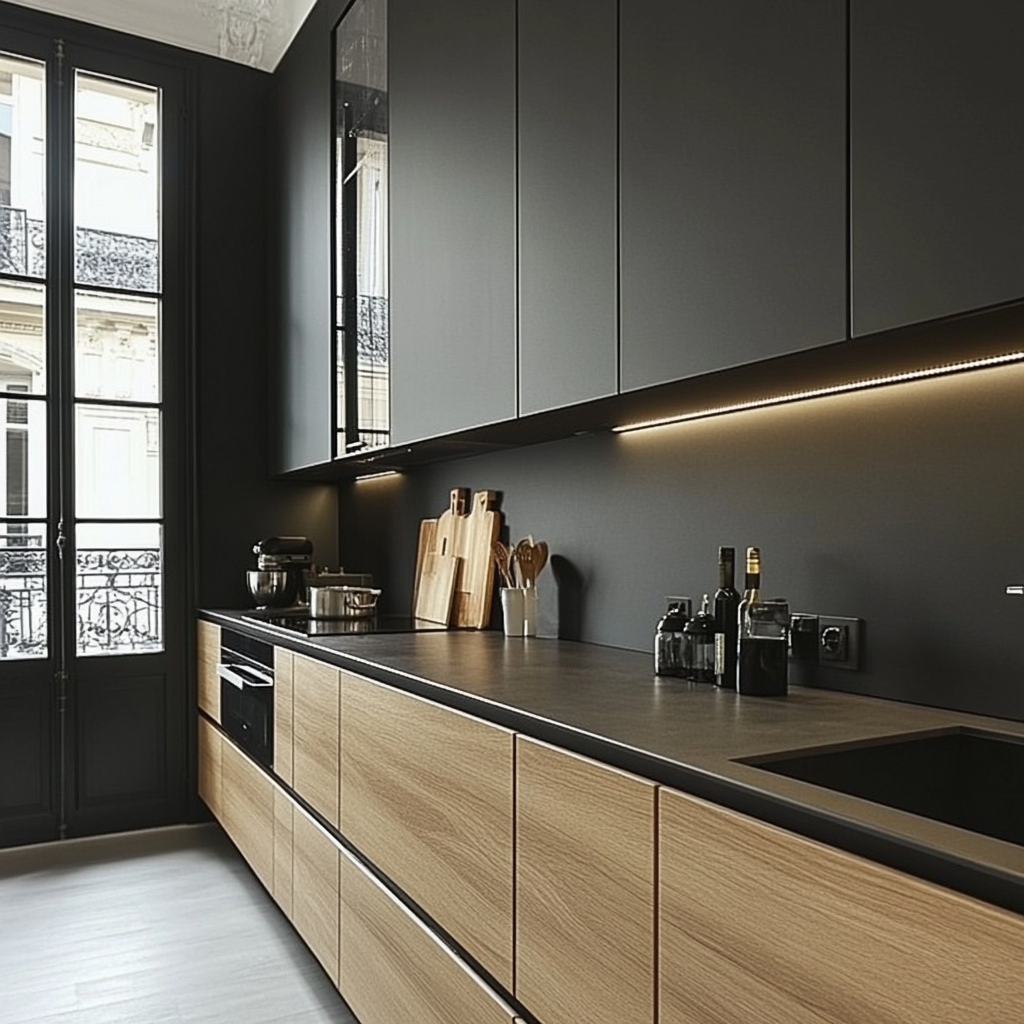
pixel 699 645
pixel 668 638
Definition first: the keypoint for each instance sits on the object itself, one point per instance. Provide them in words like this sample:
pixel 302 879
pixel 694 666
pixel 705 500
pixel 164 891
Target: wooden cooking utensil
pixel 525 560
pixel 503 556
pixel 540 557
pixel 530 558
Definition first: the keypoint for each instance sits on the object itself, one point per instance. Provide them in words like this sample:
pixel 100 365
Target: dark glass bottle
pixel 763 668
pixel 727 603
pixel 699 641
pixel 668 639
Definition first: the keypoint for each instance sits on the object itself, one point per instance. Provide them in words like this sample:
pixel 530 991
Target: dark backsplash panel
pixel 903 506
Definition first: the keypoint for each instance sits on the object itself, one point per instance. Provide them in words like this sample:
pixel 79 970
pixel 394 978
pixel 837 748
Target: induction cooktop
pixel 297 620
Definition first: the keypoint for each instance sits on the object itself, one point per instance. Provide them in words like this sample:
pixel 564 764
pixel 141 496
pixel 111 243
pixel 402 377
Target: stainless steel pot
pixel 342 602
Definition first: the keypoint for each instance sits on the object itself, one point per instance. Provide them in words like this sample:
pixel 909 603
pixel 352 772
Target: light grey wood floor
pixel 153 927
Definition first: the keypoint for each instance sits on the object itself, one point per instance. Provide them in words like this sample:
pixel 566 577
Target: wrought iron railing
pixel 22 596
pixel 118 599
pixel 104 258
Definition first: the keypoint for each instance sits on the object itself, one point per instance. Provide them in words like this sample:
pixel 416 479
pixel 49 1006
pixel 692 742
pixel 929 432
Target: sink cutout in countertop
pixel 969 778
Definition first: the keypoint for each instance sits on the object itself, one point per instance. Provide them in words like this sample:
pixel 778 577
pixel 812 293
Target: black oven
pixel 246 673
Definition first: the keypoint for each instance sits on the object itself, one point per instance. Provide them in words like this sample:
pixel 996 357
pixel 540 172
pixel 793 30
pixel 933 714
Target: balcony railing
pixel 101 257
pixel 118 599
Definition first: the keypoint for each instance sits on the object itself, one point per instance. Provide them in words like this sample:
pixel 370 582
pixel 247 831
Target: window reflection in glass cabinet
pixel 362 351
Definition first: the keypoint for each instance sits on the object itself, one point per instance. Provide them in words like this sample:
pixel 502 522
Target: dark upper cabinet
pixel 451 95
pixel 937 158
pixel 733 183
pixel 302 373
pixel 568 275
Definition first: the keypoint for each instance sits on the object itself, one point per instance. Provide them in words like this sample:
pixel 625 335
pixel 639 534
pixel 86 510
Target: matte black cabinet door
pixel 451 96
pixel 733 191
pixel 937 158
pixel 302 377
pixel 568 276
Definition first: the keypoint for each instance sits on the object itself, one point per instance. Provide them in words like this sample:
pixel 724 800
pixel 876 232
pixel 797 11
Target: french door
pixel 93 689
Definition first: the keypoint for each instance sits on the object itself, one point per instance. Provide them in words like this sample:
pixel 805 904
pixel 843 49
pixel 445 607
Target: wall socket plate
pixel 839 642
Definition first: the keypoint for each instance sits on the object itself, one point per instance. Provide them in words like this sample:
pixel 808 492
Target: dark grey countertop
pixel 606 703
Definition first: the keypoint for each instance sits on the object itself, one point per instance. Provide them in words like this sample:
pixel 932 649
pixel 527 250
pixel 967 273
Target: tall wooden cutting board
pixel 434 586
pixel 474 585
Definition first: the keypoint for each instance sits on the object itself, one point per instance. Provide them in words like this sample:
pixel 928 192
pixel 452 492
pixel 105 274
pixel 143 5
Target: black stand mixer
pixel 279 579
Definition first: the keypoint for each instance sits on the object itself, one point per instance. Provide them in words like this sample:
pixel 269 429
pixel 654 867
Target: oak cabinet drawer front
pixel 283 714
pixel 210 770
pixel 426 795
pixel 247 800
pixel 283 841
pixel 316 703
pixel 584 889
pixel 315 896
pixel 394 970
pixel 756 923
pixel 207 658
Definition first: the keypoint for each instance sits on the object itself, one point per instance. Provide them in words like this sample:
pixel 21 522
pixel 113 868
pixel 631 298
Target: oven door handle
pixel 242 676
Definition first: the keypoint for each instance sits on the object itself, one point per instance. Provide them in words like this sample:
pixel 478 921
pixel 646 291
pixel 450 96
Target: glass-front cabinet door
pixel 362 350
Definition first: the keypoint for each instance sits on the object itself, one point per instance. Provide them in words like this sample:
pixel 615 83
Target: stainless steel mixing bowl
pixel 272 588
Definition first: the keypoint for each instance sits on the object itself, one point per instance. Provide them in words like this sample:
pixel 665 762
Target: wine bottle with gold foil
pixel 763 663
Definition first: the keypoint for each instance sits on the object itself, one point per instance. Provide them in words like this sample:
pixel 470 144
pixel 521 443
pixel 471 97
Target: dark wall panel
pixel 237 501
pixel 900 506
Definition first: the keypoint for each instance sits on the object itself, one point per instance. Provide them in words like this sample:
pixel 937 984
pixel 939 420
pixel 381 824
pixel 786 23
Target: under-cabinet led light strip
pixel 383 474
pixel 832 389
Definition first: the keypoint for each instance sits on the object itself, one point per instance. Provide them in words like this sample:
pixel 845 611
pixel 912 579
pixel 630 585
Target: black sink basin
pixel 963 777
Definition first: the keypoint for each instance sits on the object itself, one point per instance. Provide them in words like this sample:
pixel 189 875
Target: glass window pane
pixel 23 589
pixel 117 347
pixel 119 588
pixel 22 337
pixel 117 462
pixel 23 457
pixel 361 225
pixel 117 183
pixel 22 166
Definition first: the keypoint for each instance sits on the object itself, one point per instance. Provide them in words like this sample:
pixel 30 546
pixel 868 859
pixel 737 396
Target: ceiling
pixel 253 32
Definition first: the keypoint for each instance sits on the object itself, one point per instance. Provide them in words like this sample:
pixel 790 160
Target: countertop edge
pixel 923 860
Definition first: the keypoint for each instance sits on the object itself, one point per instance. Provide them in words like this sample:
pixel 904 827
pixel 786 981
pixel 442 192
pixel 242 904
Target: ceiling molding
pixel 251 32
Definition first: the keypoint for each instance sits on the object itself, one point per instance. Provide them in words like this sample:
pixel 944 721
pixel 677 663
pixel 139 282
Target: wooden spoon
pixel 503 556
pixel 526 560
pixel 540 552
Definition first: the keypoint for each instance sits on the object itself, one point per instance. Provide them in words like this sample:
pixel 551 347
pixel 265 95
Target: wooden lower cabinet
pixel 210 766
pixel 207 659
pixel 247 811
pixel 284 829
pixel 585 859
pixel 758 924
pixel 316 704
pixel 284 716
pixel 315 898
pixel 427 797
pixel 394 970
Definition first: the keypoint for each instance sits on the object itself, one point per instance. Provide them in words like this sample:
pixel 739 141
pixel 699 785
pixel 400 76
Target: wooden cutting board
pixel 474 585
pixel 463 533
pixel 428 530
pixel 436 588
